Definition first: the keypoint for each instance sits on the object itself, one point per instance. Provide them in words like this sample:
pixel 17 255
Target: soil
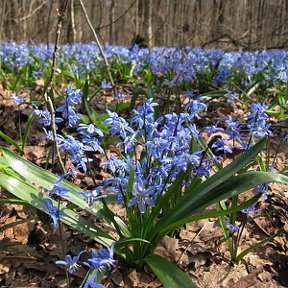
pixel 29 246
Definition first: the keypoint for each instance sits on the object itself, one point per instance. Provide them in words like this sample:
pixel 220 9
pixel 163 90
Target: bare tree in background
pixel 251 24
pixel 72 22
pixel 148 20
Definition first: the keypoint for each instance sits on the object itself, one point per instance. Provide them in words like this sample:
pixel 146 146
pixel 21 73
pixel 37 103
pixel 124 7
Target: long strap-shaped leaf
pixel 39 176
pixel 210 214
pixel 35 198
pixel 203 193
pixel 234 186
pixel 243 182
pixel 168 273
pixel 231 187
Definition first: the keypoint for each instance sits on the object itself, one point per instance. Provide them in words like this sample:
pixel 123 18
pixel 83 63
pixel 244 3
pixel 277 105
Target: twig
pixel 117 19
pixel 47 98
pixel 1 27
pixel 33 12
pixel 72 15
pixel 180 257
pixel 98 43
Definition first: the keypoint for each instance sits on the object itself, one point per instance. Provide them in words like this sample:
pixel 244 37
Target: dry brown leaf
pixel 4 268
pixel 247 281
pixel 117 278
pixel 168 248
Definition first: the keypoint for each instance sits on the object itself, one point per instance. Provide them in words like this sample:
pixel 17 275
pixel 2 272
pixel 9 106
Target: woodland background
pixel 226 24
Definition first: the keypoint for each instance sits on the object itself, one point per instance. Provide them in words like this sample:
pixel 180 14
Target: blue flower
pixel 93 195
pixel 142 196
pixel 119 186
pixel 250 211
pixel 76 149
pixel 118 125
pixel 54 212
pixel 89 130
pixel 118 96
pixel 117 166
pixel 18 99
pixel 57 189
pixel 68 111
pixel 70 263
pixel 202 170
pixel 105 85
pixel 102 260
pixel 264 189
pixel 144 114
pixel 196 106
pixel 222 146
pixel 212 129
pixel 257 121
pixel 73 96
pixel 129 142
pixel 91 144
pixel 45 117
pixel 232 228
pixel 233 128
pixel 231 96
pixel 157 147
pixel 92 283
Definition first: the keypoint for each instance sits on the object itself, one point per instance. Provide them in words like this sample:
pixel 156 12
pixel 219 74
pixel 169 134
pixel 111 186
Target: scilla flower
pixel 70 263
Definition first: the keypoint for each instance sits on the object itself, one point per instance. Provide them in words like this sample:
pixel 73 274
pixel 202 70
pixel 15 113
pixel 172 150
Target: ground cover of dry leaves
pixel 29 246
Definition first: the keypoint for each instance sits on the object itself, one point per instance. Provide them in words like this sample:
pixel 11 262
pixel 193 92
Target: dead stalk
pixel 47 87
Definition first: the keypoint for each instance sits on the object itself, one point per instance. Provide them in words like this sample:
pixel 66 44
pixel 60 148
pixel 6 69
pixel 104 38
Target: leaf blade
pixel 32 196
pixel 37 175
pixel 168 273
pixel 202 193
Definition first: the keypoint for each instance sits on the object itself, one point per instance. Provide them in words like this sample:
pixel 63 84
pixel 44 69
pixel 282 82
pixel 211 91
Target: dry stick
pixel 98 44
pixel 33 12
pixel 72 15
pixel 47 98
pixel 180 257
pixel 1 27
pixel 51 109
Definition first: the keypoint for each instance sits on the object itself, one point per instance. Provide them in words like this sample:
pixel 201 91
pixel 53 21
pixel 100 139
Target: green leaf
pixel 210 214
pixel 32 196
pixel 27 129
pixel 13 201
pixel 122 227
pixel 214 94
pixel 243 182
pixel 127 240
pixel 11 141
pixel 203 194
pixel 251 248
pixel 85 103
pixel 121 107
pixel 37 175
pixel 168 273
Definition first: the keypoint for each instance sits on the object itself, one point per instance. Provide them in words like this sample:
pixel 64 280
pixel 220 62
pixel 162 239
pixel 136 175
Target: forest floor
pixel 29 246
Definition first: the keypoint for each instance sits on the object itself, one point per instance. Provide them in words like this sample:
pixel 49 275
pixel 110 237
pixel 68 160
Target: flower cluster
pixel 68 109
pixel 176 66
pixel 257 121
pixel 166 143
pixel 101 261
pixel 90 134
